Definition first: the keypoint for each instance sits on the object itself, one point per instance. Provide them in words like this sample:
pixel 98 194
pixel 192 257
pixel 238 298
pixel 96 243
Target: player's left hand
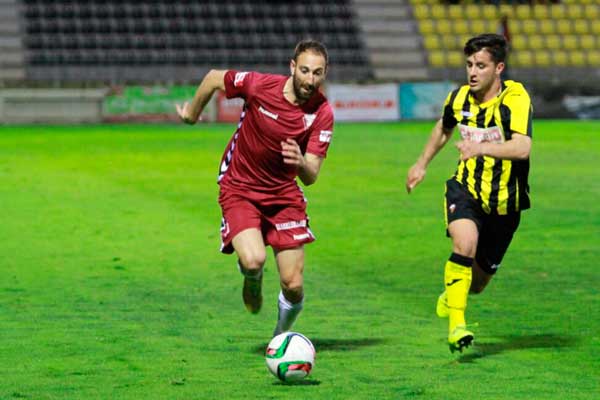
pixel 468 149
pixel 292 154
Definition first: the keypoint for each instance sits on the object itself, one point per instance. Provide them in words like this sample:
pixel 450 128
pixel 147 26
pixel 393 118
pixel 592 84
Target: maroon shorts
pixel 281 218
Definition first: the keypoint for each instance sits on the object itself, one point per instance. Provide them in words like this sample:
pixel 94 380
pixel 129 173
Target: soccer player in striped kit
pixel 486 195
pixel 284 132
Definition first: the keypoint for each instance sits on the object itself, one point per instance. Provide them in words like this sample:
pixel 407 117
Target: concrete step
pixel 8 11
pixel 385 12
pixel 401 74
pixel 389 27
pixel 12 73
pixel 397 59
pixel 12 58
pixel 399 42
pixel 9 27
pixel 362 3
pixel 10 42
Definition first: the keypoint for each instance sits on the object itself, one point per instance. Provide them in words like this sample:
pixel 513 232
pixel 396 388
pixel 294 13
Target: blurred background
pixel 124 60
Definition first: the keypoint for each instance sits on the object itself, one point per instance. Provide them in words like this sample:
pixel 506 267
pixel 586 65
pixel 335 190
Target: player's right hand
pixel 416 174
pixel 184 113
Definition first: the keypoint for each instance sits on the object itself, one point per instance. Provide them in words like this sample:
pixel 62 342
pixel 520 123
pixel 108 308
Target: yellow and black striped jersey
pixel 500 186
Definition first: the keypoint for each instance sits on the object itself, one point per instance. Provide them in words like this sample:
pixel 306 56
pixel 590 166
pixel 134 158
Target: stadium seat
pixel 553 42
pixel 421 11
pixel 438 13
pixel 522 58
pixel 457 12
pixel 455 59
pixel 558 11
pixel 595 28
pixel 592 11
pixel 536 42
pixel 577 58
pixel 519 42
pixel 561 58
pixel 443 27
pixel 508 10
pixel 461 27
pixel 437 58
pixel 540 11
pixel 542 58
pixel 593 58
pixel 570 42
pixel 581 26
pixel 431 42
pixel 489 12
pixel 530 26
pixel 523 12
pixel 547 26
pixel 478 26
pixel 587 42
pixel 564 26
pixel 573 11
pixel 426 27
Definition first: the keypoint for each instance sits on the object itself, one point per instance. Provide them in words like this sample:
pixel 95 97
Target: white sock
pixel 287 314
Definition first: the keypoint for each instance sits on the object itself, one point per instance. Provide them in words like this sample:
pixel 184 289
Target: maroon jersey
pixel 252 160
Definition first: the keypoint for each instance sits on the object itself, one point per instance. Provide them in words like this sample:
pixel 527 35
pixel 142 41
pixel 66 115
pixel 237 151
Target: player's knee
pixel 466 248
pixel 293 291
pixel 253 261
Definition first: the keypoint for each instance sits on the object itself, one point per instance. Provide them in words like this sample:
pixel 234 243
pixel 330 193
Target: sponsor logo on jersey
pixel 268 113
pixel 308 120
pixel 238 81
pixel 493 134
pixel 325 136
pixel 301 237
pixel 452 208
pixel 290 225
pixel 466 113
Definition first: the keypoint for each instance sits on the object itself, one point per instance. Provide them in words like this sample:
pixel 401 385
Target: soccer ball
pixel 290 356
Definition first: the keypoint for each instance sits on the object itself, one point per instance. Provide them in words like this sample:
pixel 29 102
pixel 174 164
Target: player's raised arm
pixel 439 137
pixel 190 112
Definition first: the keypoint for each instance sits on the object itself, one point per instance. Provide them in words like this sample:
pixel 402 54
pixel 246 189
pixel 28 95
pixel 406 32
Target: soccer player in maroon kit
pixel 284 131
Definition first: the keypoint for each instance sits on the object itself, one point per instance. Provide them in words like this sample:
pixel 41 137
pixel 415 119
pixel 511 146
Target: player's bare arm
pixel 517 148
pixel 308 164
pixel 439 137
pixel 190 112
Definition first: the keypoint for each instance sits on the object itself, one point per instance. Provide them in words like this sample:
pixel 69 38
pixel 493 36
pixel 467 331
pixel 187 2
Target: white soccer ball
pixel 290 356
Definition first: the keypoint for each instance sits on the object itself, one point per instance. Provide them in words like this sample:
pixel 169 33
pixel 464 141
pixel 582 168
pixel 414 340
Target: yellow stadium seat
pixel 547 26
pixel 449 42
pixel 523 12
pixel 561 58
pixel 490 12
pixel 522 58
pixel 553 42
pixel 542 58
pixel 432 42
pixel 455 59
pixel 508 10
pixel 472 11
pixel 557 11
pixel 581 26
pixel 462 40
pixel 536 42
pixel 478 26
pixel 595 27
pixel 519 42
pixel 588 42
pixel 456 12
pixel 530 26
pixel 461 27
pixel 515 26
pixel 592 11
pixel 437 59
pixel 563 26
pixel 540 11
pixel 593 58
pixel 570 42
pixel 577 58
pixel 421 11
pixel 443 26
pixel 438 12
pixel 426 27
pixel 574 11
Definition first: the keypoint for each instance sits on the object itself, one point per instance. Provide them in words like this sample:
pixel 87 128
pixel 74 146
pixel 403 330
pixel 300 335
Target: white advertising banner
pixel 364 102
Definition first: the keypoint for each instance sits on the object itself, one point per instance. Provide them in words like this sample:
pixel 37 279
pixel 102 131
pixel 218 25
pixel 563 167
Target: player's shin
pixel 288 312
pixel 457 280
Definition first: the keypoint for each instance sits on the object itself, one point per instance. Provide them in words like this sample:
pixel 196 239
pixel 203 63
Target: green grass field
pixel 112 285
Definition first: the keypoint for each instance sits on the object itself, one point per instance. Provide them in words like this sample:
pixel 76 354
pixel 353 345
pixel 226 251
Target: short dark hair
pixel 311 45
pixel 495 45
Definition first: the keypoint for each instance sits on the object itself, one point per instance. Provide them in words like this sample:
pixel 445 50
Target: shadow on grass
pixel 332 344
pixel 306 382
pixel 517 342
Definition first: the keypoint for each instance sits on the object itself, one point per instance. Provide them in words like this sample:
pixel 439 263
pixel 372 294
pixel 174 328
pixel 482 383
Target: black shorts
pixel 495 231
